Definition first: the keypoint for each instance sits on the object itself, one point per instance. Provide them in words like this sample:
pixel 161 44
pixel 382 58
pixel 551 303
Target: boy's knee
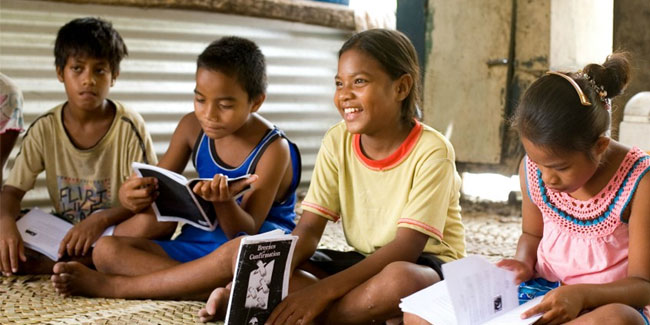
pixel 105 252
pixel 145 225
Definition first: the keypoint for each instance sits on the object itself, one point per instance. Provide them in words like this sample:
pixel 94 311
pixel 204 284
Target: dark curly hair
pixel 89 36
pixel 238 57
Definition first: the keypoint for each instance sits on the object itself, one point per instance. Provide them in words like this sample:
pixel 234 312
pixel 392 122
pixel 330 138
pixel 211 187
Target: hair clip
pixel 600 90
pixel 583 98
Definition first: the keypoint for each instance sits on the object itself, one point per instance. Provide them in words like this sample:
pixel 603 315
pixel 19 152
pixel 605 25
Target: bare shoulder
pixel 522 175
pixel 279 146
pixel 181 144
pixel 188 129
pixel 639 230
pixel 274 163
pixel 640 205
pixel 643 189
pixel 276 154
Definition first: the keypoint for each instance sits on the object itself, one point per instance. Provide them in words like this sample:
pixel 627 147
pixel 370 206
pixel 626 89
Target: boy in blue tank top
pixel 224 137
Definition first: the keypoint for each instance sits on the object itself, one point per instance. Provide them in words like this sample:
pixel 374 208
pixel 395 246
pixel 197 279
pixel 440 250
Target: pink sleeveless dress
pixel 586 241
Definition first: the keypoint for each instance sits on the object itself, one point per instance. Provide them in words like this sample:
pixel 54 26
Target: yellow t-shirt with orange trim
pixel 416 187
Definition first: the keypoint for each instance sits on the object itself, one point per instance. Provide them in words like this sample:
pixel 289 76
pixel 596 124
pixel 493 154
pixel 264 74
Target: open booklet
pixel 177 202
pixel 261 278
pixel 474 291
pixel 44 232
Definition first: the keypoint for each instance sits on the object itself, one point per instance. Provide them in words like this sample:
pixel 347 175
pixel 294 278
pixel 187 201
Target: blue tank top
pixel 207 164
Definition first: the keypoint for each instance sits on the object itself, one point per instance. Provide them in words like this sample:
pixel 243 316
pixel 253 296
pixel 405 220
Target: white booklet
pixel 44 232
pixel 261 278
pixel 177 202
pixel 474 291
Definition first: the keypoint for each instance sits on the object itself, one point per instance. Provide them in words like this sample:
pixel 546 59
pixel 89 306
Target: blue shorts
pixel 534 288
pixel 194 243
pixel 538 287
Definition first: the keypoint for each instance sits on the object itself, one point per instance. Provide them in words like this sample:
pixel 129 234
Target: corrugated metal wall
pixel 157 79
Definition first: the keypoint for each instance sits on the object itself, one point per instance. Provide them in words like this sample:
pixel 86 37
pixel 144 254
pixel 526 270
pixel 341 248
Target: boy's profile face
pixel 221 104
pixel 87 81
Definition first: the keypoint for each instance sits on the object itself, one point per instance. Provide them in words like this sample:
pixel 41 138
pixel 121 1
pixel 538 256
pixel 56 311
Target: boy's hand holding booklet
pixel 44 232
pixel 176 200
pixel 261 278
pixel 474 291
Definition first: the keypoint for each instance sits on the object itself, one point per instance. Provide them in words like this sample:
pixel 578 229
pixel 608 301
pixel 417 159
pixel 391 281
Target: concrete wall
pixel 545 35
pixel 632 33
pixel 581 32
pixel 550 35
pixel 466 75
pixel 532 46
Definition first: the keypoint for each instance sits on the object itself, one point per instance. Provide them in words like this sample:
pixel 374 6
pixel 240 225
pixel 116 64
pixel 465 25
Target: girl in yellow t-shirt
pixel 392 182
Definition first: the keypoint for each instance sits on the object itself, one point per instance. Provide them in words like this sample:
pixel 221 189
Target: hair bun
pixel 613 75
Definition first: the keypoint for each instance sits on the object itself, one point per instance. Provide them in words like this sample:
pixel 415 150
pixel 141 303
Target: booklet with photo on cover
pixel 177 202
pixel 43 232
pixel 474 291
pixel 261 278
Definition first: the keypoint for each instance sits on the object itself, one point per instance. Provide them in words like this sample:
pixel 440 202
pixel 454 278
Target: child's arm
pixel 532 228
pixel 306 304
pixel 7 141
pixel 11 244
pixel 566 302
pixel 138 193
pixel 249 216
pixel 309 231
pixel 82 236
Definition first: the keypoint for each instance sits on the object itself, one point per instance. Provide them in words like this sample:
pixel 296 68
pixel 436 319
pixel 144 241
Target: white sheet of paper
pixel 513 317
pixel 479 290
pixel 42 232
pixel 474 291
pixel 421 302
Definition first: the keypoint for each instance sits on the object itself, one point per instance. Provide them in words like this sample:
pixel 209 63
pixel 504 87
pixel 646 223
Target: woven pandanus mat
pixel 493 237
pixel 491 231
pixel 32 300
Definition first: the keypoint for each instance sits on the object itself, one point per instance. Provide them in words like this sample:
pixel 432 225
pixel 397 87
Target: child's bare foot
pixel 73 278
pixel 215 308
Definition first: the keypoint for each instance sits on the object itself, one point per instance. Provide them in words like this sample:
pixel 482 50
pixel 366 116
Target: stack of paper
pixel 474 291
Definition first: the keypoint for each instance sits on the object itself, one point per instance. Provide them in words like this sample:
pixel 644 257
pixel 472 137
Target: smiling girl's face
pixel 365 96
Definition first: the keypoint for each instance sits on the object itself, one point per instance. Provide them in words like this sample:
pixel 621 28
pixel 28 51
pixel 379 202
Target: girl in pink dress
pixel 586 202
